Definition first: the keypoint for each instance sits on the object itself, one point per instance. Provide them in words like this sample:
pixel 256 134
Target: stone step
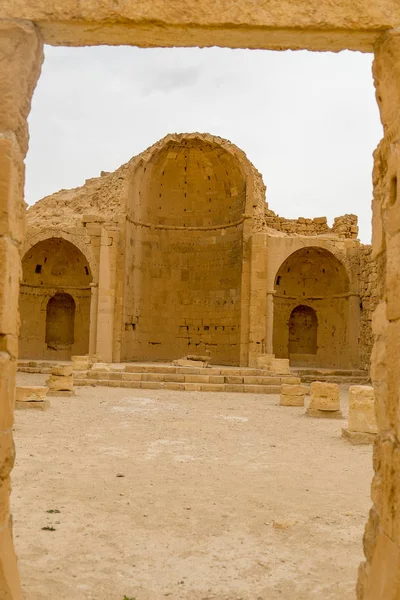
pixel 189 378
pixel 355 379
pixel 180 386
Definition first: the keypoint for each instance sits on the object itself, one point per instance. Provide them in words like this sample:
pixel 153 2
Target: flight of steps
pixel 346 376
pixel 194 379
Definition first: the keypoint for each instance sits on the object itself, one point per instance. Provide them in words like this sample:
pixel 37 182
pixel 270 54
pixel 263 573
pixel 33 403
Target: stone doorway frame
pixel 363 25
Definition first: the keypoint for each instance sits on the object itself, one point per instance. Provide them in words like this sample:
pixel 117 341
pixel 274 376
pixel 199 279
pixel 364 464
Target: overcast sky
pixel 308 121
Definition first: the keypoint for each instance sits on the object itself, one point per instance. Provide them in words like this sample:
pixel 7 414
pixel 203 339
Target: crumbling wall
pixel 344 226
pixel 369 296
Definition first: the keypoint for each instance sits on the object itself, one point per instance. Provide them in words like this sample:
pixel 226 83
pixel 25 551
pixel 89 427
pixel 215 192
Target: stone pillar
pixel 292 394
pixel 21 56
pixel 106 298
pixel 353 330
pixel 379 575
pixel 94 300
pixel 258 296
pixel 362 428
pixel 325 401
pixel 270 323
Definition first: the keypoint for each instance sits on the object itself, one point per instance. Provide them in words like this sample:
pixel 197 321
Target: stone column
pixel 21 56
pixel 379 575
pixel 270 323
pixel 106 298
pixel 258 296
pixel 94 300
pixel 353 330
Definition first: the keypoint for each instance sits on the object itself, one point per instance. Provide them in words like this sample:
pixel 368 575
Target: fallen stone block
pixel 32 404
pixel 81 363
pixel 358 437
pixel 292 395
pixel 324 400
pixel 59 383
pixel 62 370
pixel 31 393
pixel 184 362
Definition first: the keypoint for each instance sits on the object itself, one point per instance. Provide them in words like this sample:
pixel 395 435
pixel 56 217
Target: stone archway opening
pixel 185 252
pixel 311 308
pixel 54 301
pixel 60 322
pixel 303 330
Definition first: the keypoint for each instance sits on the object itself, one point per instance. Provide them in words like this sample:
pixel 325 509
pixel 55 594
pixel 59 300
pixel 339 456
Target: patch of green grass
pixel 128 598
pixel 47 528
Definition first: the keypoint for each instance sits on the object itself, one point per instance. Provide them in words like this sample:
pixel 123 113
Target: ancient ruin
pixel 324 26
pixel 177 252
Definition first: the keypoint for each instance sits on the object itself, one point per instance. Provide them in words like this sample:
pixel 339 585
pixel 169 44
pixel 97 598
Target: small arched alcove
pixel 60 322
pixel 311 308
pixel 303 331
pixel 54 301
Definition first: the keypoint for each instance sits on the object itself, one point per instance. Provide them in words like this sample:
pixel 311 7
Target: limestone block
pixel 12 206
pixel 100 366
pixel 291 400
pixel 293 389
pixel 31 393
pixel 22 52
pixel 36 405
pixel 280 366
pixel 81 363
pixel 292 395
pixel 59 383
pixel 362 409
pixel 358 437
pixel 62 370
pixel 324 400
pixel 264 361
pixel 184 362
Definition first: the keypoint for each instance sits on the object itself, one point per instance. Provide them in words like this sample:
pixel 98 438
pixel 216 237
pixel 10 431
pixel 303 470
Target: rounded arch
pixel 311 309
pixel 55 262
pixel 55 297
pixel 215 164
pixel 189 198
pixel 310 272
pixel 35 237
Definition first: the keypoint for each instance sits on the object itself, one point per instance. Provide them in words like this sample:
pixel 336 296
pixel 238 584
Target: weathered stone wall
pixel 379 575
pixel 308 24
pixel 344 226
pixel 21 55
pixel 185 251
pixel 368 281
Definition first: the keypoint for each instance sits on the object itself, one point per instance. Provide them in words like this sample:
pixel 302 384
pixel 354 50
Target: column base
pixel 358 437
pixel 324 414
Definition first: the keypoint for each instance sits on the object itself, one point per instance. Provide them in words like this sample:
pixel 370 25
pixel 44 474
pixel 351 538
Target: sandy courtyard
pixel 188 495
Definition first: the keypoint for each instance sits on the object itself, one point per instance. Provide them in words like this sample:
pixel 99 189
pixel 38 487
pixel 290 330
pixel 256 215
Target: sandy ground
pixel 186 495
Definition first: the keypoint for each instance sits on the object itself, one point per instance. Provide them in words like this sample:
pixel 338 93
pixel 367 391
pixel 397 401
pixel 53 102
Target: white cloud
pixel 308 121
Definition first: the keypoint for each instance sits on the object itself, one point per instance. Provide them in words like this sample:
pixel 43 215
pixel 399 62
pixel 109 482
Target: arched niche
pixel 60 322
pixel 54 302
pixel 185 251
pixel 311 308
pixel 303 330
